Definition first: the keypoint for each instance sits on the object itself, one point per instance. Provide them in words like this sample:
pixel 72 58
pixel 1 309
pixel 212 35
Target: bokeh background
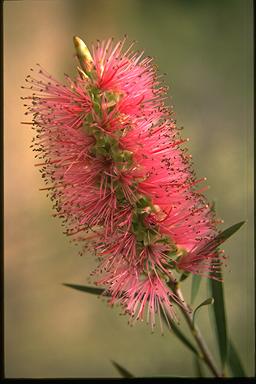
pixel 205 47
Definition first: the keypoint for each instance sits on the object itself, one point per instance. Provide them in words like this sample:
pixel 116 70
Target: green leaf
pixel 208 301
pixel 123 371
pixel 196 280
pixel 183 338
pixel 176 330
pixel 224 235
pixel 184 276
pixel 198 367
pixel 216 288
pixel 178 333
pixel 234 361
pixel 85 288
pixel 220 238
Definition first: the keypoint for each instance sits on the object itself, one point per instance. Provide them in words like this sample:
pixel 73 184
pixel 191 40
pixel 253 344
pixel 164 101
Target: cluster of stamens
pixel 120 178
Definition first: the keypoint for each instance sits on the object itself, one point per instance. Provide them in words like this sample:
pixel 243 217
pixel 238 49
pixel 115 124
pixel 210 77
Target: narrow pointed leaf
pixel 123 371
pixel 85 288
pixel 220 238
pixel 234 361
pixel 224 235
pixel 216 288
pixel 198 367
pixel 183 338
pixel 196 280
pixel 184 276
pixel 176 330
pixel 208 301
pixel 178 333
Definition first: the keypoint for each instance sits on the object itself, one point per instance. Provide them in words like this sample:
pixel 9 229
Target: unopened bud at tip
pixel 78 43
pixel 83 54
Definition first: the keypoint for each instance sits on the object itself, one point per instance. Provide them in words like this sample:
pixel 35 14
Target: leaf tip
pixel 123 371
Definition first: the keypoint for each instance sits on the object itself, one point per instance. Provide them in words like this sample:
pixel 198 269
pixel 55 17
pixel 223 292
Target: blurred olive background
pixel 205 47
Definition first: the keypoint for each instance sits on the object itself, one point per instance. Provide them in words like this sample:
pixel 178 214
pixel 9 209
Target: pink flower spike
pixel 120 177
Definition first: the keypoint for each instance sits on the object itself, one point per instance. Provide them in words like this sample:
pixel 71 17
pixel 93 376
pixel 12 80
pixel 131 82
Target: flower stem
pixel 187 312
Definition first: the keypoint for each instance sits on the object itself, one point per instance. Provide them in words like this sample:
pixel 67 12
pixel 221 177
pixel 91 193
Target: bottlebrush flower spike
pixel 120 177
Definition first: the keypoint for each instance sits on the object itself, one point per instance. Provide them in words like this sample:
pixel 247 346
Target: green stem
pixel 187 313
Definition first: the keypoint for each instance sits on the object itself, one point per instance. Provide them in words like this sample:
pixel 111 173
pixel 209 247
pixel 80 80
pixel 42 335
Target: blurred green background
pixel 205 47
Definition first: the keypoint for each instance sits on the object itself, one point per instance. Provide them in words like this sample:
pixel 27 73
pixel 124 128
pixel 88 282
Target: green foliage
pixel 178 333
pixel 208 301
pixel 216 289
pixel 224 235
pixel 123 371
pixel 85 288
pixel 184 276
pixel 196 281
pixel 198 367
pixel 234 362
pixel 219 311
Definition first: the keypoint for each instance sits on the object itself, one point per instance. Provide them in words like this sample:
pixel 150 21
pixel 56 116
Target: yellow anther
pixel 157 209
pixel 181 251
